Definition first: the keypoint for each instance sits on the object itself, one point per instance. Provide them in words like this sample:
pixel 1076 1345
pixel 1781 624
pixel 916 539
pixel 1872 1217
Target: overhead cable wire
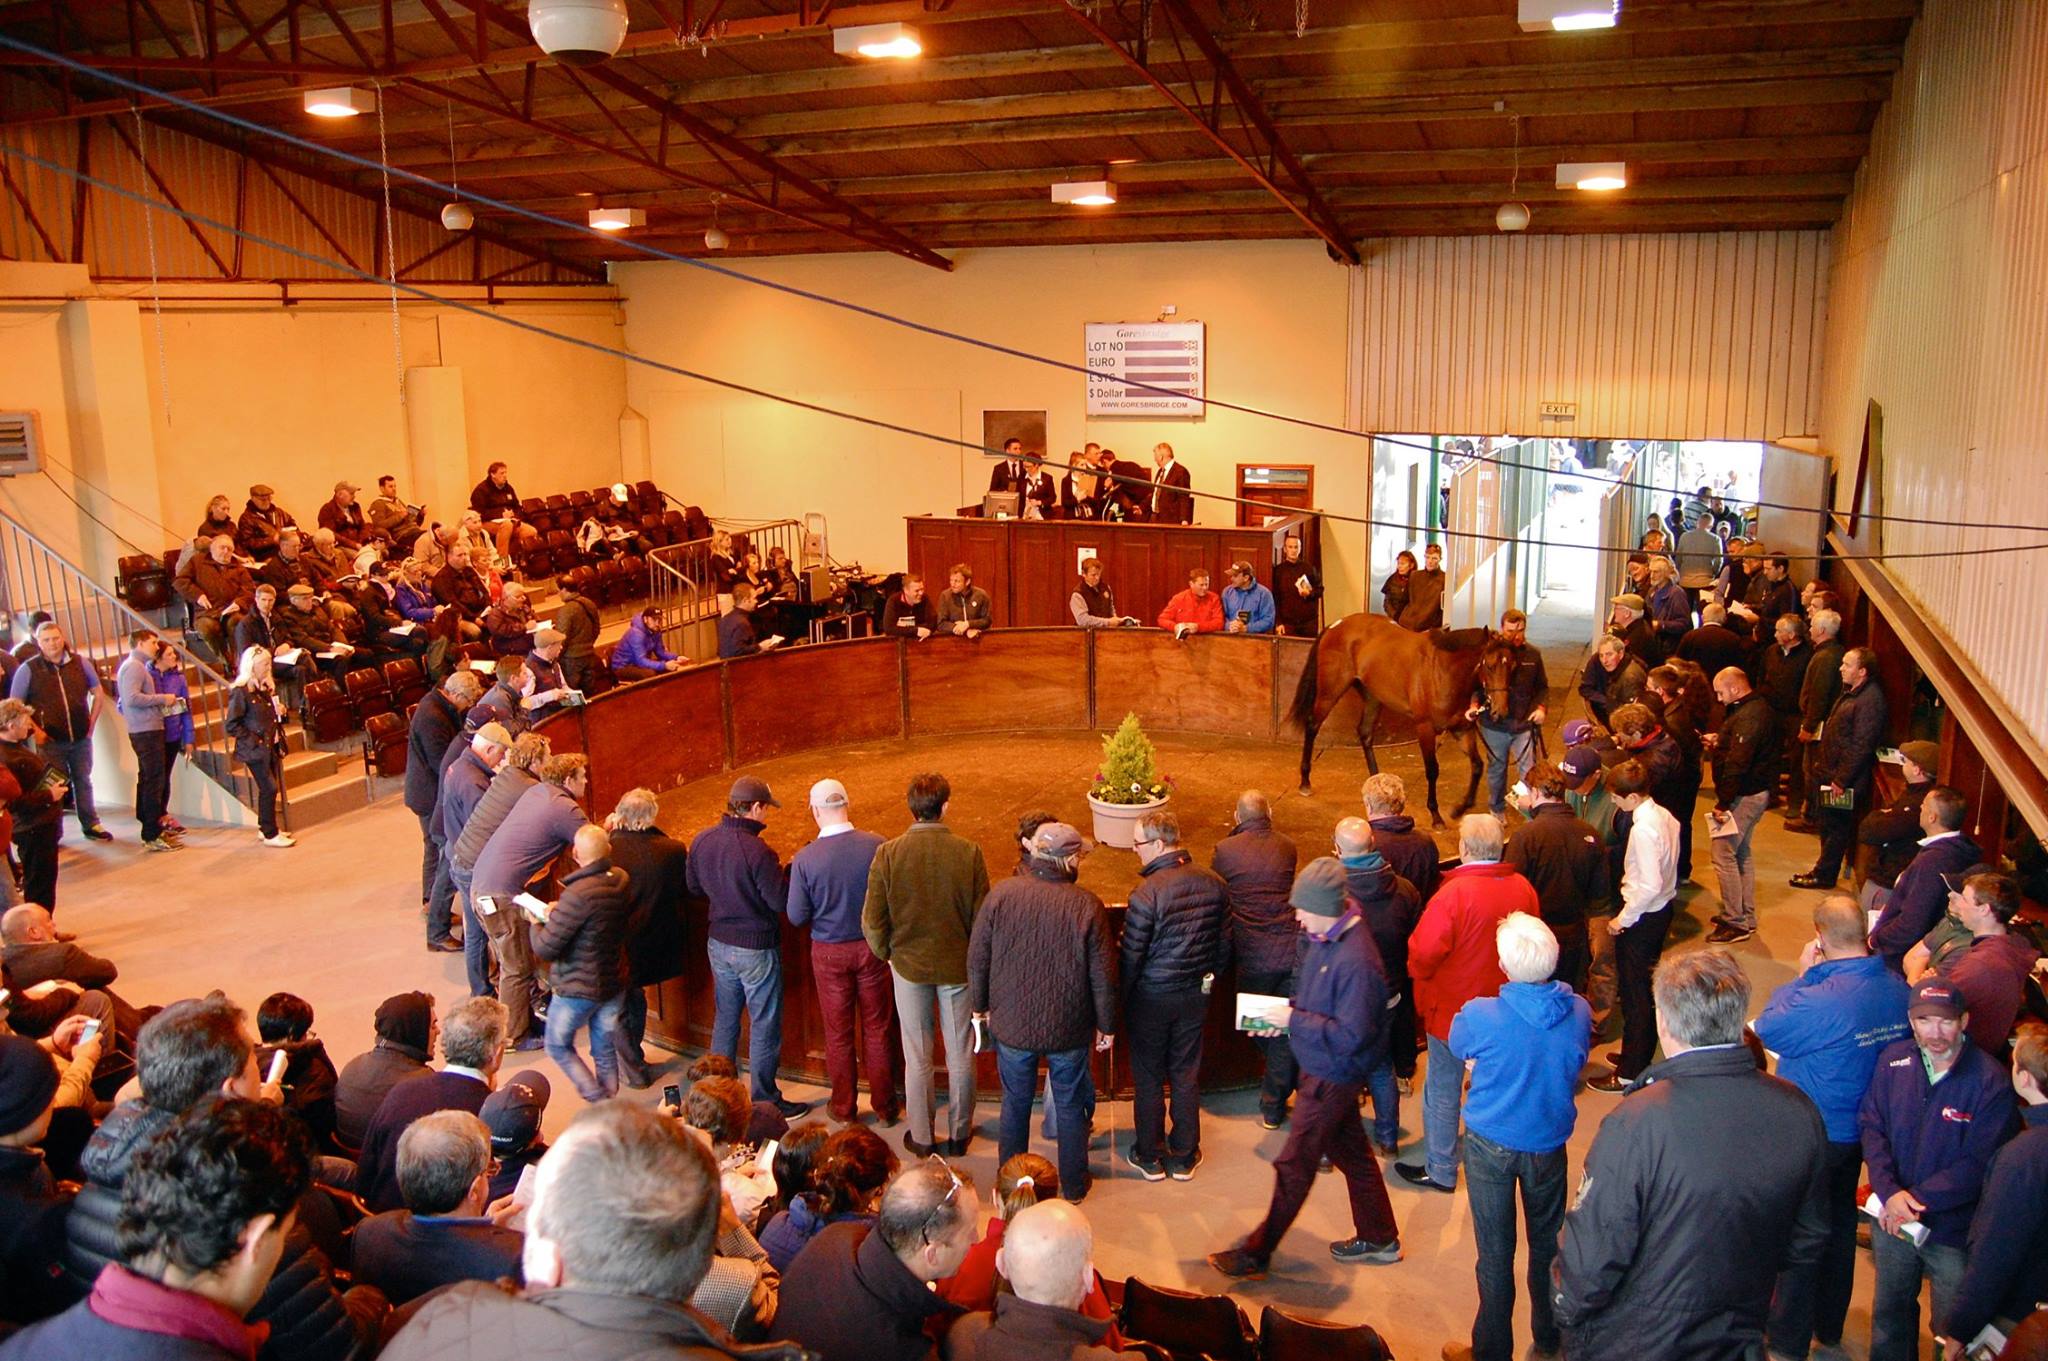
pixel 874 313
pixel 876 422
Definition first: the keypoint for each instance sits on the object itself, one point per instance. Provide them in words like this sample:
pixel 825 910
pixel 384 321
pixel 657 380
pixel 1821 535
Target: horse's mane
pixel 1459 640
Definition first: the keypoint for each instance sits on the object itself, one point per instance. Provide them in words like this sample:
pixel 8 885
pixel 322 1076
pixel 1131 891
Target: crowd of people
pixel 174 1183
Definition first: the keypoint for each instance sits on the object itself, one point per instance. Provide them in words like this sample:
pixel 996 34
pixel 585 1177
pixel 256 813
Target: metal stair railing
pixel 97 623
pixel 681 583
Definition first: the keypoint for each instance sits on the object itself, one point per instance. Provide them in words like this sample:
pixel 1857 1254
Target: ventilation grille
pixel 21 443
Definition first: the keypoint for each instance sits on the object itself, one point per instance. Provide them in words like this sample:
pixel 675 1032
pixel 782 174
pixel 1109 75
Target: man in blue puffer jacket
pixel 1827 1027
pixel 1526 1048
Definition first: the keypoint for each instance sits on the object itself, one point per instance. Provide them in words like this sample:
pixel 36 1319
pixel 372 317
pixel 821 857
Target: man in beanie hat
pixel 1336 1023
pixel 32 1208
pixel 406 1032
pixel 1937 1109
pixel 1039 982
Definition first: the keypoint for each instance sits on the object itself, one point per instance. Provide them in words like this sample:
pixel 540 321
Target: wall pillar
pixel 113 441
pixel 437 433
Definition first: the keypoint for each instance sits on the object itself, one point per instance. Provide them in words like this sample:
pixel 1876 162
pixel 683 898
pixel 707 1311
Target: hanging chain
pixel 1516 120
pixel 454 172
pixel 163 362
pixel 391 246
pixel 1300 18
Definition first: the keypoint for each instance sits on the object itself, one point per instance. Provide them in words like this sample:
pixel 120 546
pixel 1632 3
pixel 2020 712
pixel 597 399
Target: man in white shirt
pixel 1171 503
pixel 1649 882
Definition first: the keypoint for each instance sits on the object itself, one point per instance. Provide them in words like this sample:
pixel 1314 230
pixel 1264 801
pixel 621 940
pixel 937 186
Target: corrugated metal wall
pixel 1676 336
pixel 214 182
pixel 1939 312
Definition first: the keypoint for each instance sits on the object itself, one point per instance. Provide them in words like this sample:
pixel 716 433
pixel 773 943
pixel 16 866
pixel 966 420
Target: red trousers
pixel 855 990
pixel 1325 1123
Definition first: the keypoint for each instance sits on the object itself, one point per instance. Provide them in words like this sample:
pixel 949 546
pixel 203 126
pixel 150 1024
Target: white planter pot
pixel 1115 822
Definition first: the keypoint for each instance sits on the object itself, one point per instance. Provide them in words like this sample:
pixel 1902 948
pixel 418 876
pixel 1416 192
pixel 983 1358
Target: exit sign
pixel 1559 411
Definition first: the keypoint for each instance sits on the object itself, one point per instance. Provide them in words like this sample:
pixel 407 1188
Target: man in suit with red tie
pixel 1171 503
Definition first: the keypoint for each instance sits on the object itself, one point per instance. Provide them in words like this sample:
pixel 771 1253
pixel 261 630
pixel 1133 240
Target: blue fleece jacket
pixel 1339 1029
pixel 1935 1139
pixel 1826 1027
pixel 1526 1047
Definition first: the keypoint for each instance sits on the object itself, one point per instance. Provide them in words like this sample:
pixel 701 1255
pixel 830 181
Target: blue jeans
pixel 476 946
pixel 1443 1094
pixel 1895 1333
pixel 751 979
pixel 566 1016
pixel 1492 1172
pixel 1386 1103
pixel 1073 1094
pixel 1501 747
pixel 75 760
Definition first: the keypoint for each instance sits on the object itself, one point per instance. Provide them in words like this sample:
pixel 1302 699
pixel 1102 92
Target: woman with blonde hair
pixel 725 569
pixel 1022 1182
pixel 255 719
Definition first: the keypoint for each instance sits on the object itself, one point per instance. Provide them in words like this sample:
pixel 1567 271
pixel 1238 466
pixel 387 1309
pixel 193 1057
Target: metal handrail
pixel 97 623
pixel 680 582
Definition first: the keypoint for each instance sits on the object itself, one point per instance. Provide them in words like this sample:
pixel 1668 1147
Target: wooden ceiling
pixel 1342 120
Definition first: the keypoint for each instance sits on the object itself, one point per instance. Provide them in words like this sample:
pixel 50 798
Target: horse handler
pixel 1336 1024
pixel 1516 734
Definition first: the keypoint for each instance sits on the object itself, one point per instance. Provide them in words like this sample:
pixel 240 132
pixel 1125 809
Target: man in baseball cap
pixel 1333 1023
pixel 748 890
pixel 514 1112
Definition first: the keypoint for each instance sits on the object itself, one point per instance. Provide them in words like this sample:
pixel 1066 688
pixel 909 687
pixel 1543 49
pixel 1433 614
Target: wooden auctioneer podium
pixel 1029 567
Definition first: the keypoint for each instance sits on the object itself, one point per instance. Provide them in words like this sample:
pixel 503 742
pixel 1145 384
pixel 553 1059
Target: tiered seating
pixel 368 693
pixel 328 713
pixel 385 737
pixel 408 683
pixel 555 519
pixel 1186 1325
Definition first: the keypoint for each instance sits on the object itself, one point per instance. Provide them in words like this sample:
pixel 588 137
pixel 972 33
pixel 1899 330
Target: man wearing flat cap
pixel 1039 981
pixel 551 689
pixel 748 889
pixel 1336 1024
pixel 263 522
pixel 343 514
pixel 1938 1107
pixel 1626 620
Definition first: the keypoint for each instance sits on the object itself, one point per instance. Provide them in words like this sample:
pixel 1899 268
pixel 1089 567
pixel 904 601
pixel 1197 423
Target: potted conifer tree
pixel 1128 786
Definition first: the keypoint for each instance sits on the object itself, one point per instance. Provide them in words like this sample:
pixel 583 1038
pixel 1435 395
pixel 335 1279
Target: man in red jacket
pixel 1452 959
pixel 1195 610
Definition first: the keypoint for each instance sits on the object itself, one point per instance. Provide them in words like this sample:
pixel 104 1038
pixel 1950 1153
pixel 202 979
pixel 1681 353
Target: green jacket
pixel 923 891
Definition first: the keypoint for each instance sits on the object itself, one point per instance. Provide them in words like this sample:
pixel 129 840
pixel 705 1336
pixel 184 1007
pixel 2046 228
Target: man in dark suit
pixel 657 868
pixel 1013 473
pixel 1171 503
pixel 449 1230
pixel 435 723
pixel 472 1045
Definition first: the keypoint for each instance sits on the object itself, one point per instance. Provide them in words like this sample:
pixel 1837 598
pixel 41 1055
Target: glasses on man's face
pixel 945 1204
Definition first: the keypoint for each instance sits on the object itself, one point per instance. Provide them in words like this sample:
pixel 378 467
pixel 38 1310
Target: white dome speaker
pixel 457 217
pixel 1511 217
pixel 578 32
pixel 716 240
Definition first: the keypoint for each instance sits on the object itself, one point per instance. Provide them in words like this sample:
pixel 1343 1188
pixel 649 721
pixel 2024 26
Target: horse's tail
pixel 1303 711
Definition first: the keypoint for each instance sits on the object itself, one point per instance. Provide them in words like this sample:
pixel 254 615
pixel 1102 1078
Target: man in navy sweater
pixel 1525 1047
pixel 828 886
pixel 2008 1271
pixel 1919 896
pixel 1827 1026
pixel 1336 1026
pixel 737 872
pixel 473 1045
pixel 1936 1111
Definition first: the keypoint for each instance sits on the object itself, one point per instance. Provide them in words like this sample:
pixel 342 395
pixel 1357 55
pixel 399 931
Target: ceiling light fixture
pixel 342 101
pixel 714 239
pixel 877 40
pixel 578 32
pixel 1513 216
pixel 1594 175
pixel 1085 193
pixel 456 216
pixel 617 219
pixel 1566 16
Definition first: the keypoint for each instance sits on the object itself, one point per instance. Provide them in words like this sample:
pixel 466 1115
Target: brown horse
pixel 1431 677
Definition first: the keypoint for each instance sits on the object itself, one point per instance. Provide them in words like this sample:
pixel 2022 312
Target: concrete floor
pixel 336 919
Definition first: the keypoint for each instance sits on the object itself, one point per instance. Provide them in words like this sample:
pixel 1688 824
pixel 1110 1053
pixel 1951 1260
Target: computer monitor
pixel 997 504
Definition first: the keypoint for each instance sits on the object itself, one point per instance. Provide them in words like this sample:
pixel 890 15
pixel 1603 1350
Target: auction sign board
pixel 1145 368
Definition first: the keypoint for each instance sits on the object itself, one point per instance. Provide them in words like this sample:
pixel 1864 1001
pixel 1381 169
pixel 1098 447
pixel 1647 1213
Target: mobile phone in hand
pixel 673 1095
pixel 88 1030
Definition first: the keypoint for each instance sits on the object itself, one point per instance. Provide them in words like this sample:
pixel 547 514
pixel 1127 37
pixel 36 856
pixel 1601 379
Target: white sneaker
pixel 281 840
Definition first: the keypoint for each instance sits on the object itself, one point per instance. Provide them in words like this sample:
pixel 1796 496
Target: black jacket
pixel 302 1304
pixel 1702 1185
pixel 584 936
pixel 1391 907
pixel 253 721
pixel 405 1255
pixel 1781 675
pixel 1713 648
pixel 434 725
pixel 1895 830
pixel 1848 743
pixel 1414 855
pixel 1747 757
pixel 657 871
pixel 1175 929
pixel 1257 865
pixel 1528 686
pixel 1038 962
pixel 848 1298
pixel 1822 684
pixel 377 1169
pixel 32 1215
pixel 1561 855
pixel 58 694
pixel 1605 691
pixel 365 1081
